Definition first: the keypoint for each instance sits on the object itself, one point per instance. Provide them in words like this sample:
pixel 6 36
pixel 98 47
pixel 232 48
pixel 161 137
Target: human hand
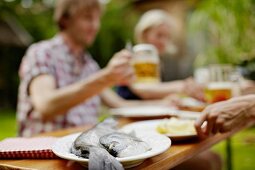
pixel 193 89
pixel 172 100
pixel 119 68
pixel 223 117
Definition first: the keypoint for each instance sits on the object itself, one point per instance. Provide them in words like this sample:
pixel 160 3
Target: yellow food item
pixel 175 126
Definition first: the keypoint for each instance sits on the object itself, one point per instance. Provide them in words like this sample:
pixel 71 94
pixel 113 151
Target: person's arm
pixel 225 116
pixel 247 87
pixel 158 91
pixel 50 101
pixel 111 99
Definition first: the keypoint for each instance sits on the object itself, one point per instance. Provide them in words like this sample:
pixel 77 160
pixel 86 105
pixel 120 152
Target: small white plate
pixel 142 111
pixel 152 111
pixel 158 143
pixel 151 126
pixel 191 102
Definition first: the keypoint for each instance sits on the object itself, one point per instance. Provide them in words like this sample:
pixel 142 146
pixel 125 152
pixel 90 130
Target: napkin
pixel 34 148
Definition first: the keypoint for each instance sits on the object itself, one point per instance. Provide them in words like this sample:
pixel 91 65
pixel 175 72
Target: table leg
pixel 229 154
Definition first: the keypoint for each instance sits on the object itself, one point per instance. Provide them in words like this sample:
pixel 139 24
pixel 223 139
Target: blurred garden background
pixel 214 31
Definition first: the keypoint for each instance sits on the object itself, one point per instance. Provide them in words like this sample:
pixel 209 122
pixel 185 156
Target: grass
pixel 8 124
pixel 243 149
pixel 243 143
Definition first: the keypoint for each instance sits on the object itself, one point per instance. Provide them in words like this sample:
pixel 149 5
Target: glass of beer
pixel 146 64
pixel 221 86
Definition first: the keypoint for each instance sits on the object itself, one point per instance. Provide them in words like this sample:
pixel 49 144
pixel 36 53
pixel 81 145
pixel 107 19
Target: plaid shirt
pixel 53 57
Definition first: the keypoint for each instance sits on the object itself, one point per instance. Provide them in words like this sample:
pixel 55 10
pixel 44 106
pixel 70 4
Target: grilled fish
pixel 123 145
pixel 87 145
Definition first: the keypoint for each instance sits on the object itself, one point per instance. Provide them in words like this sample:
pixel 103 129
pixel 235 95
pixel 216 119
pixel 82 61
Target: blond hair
pixel 151 19
pixel 67 8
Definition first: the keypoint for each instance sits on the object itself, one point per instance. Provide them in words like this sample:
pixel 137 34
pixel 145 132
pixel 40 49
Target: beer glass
pixel 222 83
pixel 146 64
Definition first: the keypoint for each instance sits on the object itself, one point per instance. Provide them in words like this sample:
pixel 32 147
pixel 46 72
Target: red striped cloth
pixel 32 148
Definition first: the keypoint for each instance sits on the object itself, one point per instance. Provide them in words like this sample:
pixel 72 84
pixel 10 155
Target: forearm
pixel 247 87
pixel 251 110
pixel 112 100
pixel 250 106
pixel 131 103
pixel 158 91
pixel 59 101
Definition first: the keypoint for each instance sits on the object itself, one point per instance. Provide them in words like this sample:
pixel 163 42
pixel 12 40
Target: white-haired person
pixel 157 27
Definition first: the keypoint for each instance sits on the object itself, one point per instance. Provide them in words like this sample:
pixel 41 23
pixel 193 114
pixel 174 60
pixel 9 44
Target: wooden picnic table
pixel 176 154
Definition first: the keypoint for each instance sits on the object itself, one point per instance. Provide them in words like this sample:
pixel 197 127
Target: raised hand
pixel 119 68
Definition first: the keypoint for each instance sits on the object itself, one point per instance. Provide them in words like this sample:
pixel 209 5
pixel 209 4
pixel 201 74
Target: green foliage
pixel 227 29
pixel 117 26
pixel 36 19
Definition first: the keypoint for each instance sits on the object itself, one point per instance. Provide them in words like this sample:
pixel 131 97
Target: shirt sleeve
pixel 37 61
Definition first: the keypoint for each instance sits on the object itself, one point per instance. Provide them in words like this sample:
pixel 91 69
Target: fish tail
pixel 100 159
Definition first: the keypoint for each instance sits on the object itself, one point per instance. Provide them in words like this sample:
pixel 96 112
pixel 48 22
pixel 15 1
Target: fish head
pixel 123 145
pixel 81 151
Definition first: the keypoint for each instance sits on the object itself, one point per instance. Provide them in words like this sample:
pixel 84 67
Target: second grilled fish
pixel 123 145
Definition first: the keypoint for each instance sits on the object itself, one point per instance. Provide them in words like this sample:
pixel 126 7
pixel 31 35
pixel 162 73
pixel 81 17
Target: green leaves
pixel 116 28
pixel 37 19
pixel 228 30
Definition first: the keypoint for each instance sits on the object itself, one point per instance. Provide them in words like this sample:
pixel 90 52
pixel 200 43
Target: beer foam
pixel 220 85
pixel 144 59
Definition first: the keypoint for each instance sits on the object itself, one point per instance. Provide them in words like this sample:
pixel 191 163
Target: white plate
pixel 158 143
pixel 151 125
pixel 142 111
pixel 152 111
pixel 191 102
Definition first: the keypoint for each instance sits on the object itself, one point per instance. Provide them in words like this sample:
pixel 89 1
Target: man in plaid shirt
pixel 60 81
